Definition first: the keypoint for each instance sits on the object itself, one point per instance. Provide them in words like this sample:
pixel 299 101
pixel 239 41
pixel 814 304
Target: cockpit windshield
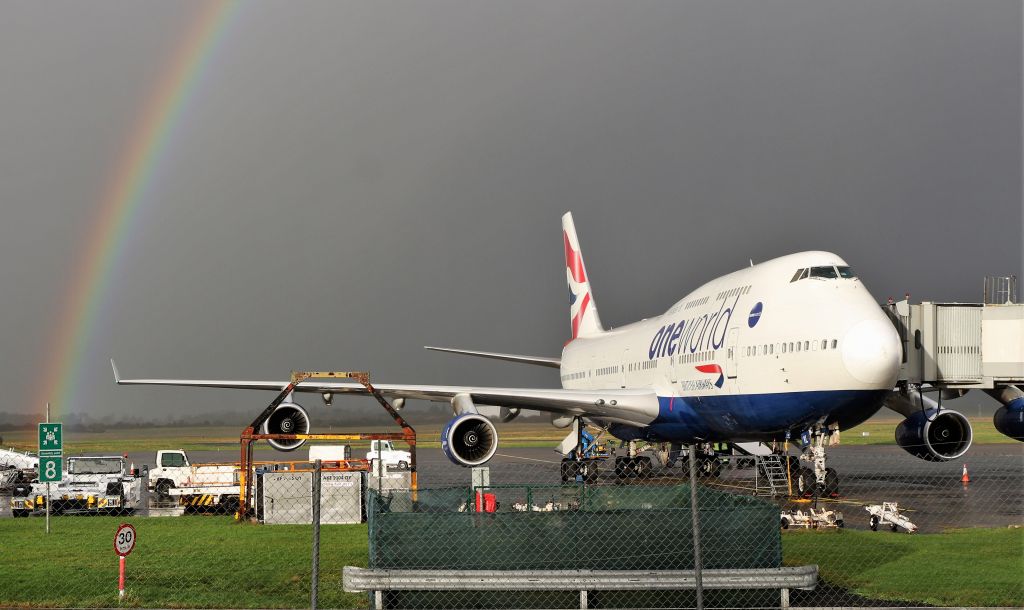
pixel 825 272
pixel 828 273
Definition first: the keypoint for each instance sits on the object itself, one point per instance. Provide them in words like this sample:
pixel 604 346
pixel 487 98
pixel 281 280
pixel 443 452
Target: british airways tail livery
pixel 792 348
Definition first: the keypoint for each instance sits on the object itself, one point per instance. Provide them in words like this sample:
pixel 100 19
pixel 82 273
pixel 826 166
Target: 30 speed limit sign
pixel 124 539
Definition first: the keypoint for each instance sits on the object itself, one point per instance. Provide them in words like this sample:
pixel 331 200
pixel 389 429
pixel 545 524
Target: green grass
pixel 967 567
pixel 883 432
pixel 178 562
pixel 214 562
pixel 515 434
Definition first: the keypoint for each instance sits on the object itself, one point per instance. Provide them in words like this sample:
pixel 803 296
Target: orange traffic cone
pixel 965 479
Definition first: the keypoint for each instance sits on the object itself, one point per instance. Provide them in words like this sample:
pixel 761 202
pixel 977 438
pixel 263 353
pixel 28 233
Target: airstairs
pixel 771 479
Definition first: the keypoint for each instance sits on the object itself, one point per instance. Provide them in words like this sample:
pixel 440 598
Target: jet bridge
pixel 963 345
pixel 956 347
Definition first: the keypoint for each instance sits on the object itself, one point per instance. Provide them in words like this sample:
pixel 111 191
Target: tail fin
pixel 582 309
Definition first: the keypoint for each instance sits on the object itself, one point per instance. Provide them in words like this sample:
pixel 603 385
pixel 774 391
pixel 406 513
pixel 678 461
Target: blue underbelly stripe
pixel 741 417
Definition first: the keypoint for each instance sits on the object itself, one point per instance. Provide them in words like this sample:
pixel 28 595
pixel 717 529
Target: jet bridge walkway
pixel 963 346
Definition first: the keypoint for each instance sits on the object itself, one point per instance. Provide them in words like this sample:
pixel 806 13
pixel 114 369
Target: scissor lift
pixel 250 434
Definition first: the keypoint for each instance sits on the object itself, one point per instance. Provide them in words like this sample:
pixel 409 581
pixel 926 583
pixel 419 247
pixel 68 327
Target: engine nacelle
pixel 1010 421
pixel 936 436
pixel 287 418
pixel 469 439
pixel 1009 418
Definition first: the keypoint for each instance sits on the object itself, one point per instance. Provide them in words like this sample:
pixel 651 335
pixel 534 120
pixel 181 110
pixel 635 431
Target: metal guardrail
pixel 357 580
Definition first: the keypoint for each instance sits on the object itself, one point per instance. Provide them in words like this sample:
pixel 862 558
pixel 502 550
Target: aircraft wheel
pixel 785 523
pixel 568 470
pixel 621 467
pixel 643 467
pixel 874 523
pixel 805 482
pixel 19 513
pixel 589 471
pixel 893 527
pixel 831 483
pixel 840 523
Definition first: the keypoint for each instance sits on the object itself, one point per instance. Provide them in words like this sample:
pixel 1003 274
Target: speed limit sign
pixel 124 539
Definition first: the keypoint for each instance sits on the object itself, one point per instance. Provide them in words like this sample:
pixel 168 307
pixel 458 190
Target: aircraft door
pixel 732 353
pixel 625 367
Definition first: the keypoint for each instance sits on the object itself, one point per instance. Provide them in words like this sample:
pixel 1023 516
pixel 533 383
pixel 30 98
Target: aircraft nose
pixel 872 353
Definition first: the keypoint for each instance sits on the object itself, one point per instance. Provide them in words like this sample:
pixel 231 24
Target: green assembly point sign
pixel 50 470
pixel 51 441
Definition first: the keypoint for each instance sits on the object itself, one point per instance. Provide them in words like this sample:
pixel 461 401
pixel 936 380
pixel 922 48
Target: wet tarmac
pixel 931 492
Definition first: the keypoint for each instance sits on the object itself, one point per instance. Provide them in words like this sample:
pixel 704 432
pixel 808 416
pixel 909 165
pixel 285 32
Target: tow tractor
pixel 888 513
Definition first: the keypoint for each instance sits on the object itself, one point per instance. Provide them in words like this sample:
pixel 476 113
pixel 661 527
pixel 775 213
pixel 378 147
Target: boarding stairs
pixel 771 479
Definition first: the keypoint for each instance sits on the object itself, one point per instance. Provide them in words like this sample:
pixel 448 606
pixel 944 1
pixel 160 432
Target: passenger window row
pixel 572 376
pixel 726 294
pixel 769 349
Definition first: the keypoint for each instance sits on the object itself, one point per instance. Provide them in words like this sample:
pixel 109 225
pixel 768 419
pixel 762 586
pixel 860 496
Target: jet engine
pixel 1010 422
pixel 935 435
pixel 287 418
pixel 1009 418
pixel 469 439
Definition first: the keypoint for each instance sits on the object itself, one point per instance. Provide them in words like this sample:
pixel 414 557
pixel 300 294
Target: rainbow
pixel 124 195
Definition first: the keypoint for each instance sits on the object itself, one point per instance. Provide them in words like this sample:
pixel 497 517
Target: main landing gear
pixel 633 465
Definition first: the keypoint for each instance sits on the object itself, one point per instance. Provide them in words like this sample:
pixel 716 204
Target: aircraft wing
pixel 634 407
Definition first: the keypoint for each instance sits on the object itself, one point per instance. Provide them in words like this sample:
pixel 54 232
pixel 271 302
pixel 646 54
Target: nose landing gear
pixel 812 477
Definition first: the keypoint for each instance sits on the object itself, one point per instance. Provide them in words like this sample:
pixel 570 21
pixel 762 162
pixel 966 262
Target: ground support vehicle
pixel 89 485
pixel 814 518
pixel 175 481
pixel 581 462
pixel 888 513
pixel 391 458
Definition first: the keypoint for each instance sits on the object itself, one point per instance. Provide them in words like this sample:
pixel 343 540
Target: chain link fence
pixel 528 533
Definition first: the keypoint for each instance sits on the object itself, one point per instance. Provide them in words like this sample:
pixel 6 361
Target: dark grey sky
pixel 351 181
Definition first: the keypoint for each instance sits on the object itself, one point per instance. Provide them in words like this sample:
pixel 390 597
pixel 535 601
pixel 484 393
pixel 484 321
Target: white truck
pixel 175 480
pixel 391 458
pixel 89 485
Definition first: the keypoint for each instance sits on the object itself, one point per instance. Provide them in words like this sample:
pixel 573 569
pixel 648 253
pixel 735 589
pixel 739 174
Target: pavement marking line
pixel 516 457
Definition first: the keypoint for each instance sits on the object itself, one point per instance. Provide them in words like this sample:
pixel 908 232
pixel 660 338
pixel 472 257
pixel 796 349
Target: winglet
pixel 117 373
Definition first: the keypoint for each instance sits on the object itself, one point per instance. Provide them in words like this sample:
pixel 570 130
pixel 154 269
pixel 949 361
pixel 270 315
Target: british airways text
pixel 704 332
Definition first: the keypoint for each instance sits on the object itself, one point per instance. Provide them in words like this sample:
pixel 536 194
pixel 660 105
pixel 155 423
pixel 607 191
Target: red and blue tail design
pixel 582 310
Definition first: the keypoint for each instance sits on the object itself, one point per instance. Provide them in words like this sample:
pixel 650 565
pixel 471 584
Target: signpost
pixel 124 543
pixel 51 455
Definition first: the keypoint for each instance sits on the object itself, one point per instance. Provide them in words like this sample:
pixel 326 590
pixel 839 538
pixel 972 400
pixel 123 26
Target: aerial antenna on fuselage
pixel 751 262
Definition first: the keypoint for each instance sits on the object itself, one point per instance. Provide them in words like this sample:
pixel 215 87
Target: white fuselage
pixel 752 354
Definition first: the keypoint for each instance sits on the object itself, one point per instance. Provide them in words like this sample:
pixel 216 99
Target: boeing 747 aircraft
pixel 794 348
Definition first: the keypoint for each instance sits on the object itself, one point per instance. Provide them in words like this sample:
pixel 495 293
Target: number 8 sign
pixel 124 539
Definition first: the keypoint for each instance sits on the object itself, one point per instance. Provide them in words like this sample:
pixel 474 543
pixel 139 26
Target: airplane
pixel 791 349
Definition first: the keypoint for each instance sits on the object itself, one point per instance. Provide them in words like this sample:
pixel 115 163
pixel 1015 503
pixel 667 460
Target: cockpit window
pixel 799 275
pixel 828 273
pixel 846 273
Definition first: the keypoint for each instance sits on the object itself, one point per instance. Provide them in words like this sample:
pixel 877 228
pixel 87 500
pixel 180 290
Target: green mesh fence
pixel 569 528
